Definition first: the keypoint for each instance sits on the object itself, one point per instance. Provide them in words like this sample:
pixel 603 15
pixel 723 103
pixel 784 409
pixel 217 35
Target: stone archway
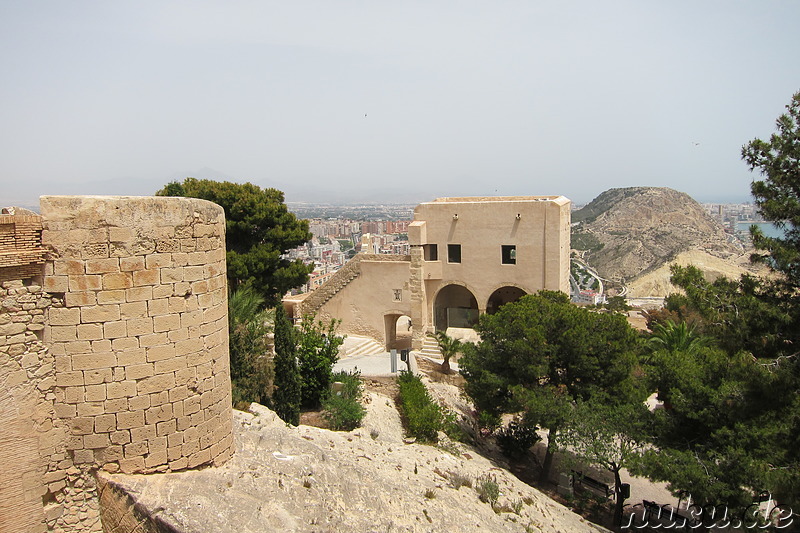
pixel 502 296
pixel 455 307
pixel 398 331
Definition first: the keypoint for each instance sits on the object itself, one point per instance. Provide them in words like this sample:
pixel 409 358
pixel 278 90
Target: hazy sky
pixel 396 101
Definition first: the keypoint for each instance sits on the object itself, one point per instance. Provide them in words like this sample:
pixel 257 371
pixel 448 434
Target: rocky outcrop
pixel 303 478
pixel 625 233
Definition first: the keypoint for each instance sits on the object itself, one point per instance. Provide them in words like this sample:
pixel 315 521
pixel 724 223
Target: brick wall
pixel 21 251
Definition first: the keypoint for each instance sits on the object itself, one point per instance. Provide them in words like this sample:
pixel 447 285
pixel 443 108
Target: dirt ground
pixel 314 418
pixel 382 385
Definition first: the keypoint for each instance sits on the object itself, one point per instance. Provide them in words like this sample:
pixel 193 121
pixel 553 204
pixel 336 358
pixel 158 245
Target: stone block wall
pixel 113 351
pixel 29 431
pixel 140 344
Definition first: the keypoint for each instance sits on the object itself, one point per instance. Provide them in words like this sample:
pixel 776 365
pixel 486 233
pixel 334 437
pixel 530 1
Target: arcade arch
pixel 455 306
pixel 502 296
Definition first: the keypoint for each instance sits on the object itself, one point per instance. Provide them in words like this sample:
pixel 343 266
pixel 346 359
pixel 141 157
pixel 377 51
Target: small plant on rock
pixel 488 490
pixel 458 480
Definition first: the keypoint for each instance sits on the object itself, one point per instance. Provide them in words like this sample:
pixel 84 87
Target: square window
pixel 453 253
pixel 509 254
pixel 430 252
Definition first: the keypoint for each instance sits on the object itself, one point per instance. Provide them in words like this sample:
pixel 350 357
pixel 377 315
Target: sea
pixel 768 228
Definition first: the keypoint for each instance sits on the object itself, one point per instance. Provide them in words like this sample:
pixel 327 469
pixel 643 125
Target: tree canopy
pixel 732 423
pixel 259 231
pixel 777 195
pixel 749 314
pixel 720 436
pixel 608 436
pixel 541 353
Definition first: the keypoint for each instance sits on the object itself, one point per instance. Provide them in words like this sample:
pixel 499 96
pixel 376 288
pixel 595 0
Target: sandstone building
pixel 468 256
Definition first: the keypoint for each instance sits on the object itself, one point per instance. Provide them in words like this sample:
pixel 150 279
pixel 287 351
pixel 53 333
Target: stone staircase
pixel 350 271
pixel 355 345
pixel 330 288
pixel 430 348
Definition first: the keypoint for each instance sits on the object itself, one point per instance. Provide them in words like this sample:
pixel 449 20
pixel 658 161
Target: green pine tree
pixel 778 194
pixel 259 230
pixel 286 397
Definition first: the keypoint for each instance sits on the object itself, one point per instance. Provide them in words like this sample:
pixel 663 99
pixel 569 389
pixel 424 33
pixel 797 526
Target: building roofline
pixel 476 199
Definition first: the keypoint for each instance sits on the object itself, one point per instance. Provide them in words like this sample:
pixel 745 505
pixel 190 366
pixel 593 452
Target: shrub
pixel 452 427
pixel 487 422
pixel 343 414
pixel 488 490
pixel 424 422
pixel 516 438
pixel 458 480
pixel 351 381
pixel 317 352
pixel 343 410
pixel 422 415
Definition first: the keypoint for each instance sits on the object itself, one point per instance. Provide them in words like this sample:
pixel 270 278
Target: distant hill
pixel 626 234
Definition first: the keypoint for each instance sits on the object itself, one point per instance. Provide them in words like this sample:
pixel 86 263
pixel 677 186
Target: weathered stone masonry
pixel 114 350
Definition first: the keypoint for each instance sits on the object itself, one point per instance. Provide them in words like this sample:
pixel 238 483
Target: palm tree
pixel 676 338
pixel 243 305
pixel 449 347
pixel 249 326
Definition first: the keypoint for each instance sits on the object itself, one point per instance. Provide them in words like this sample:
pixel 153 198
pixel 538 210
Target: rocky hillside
pixel 627 233
pixel 307 479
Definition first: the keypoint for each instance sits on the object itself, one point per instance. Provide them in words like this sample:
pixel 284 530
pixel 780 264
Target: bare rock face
pixel 284 478
pixel 625 233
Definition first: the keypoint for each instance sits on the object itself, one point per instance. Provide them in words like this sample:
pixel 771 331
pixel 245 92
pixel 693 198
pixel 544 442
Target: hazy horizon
pixel 352 102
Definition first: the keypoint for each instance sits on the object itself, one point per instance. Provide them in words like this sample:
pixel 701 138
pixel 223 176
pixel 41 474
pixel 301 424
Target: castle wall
pixel 28 428
pixel 113 350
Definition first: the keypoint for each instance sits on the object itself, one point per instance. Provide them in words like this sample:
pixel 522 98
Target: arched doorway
pixel 502 296
pixel 455 307
pixel 398 332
